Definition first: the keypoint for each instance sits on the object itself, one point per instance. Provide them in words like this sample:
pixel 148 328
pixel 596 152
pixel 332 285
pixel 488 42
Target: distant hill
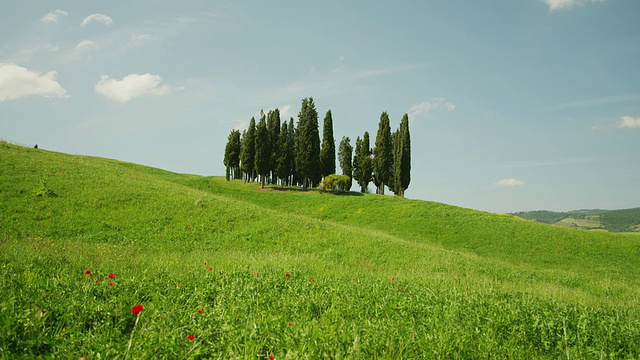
pixel 627 220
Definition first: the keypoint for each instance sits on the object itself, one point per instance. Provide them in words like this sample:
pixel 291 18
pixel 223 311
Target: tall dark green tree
pixel 273 128
pixel 328 149
pixel 362 162
pixel 232 155
pixel 263 152
pixel 307 145
pixel 345 155
pixel 284 159
pixel 247 151
pixel 292 150
pixel 382 154
pixel 402 157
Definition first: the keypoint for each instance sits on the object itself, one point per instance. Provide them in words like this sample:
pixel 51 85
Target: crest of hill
pixel 56 197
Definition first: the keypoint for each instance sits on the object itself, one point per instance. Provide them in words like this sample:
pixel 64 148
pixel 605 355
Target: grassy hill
pixel 254 273
pixel 626 220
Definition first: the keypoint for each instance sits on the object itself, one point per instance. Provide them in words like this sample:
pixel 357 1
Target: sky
pixel 513 105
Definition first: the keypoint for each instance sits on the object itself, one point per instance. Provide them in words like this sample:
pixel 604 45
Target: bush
pixel 335 182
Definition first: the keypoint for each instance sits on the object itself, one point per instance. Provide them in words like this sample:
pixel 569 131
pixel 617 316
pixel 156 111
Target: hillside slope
pixel 387 270
pixel 625 220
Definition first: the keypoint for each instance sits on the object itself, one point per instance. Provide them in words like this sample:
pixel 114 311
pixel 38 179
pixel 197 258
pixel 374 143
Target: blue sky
pixel 514 105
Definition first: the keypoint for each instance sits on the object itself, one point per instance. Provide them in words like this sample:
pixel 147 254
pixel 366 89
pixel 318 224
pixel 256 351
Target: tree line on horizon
pixel 289 154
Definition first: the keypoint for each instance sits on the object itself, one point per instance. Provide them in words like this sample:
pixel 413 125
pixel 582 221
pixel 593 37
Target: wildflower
pixel 111 276
pixel 210 269
pixel 98 280
pixel 287 275
pixel 136 309
pixel 87 272
pixel 205 263
pixel 290 323
pixel 313 280
pixel 111 284
pixel 179 286
pixel 190 337
pixel 271 357
pixel 200 310
pixel 392 278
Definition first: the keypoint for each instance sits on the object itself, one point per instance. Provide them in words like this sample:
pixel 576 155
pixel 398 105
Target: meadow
pixel 228 270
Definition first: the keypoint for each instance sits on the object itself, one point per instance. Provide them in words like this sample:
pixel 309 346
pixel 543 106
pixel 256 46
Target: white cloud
pixel 559 4
pixel 285 112
pixel 17 82
pixel 97 17
pixel 86 44
pixel 509 182
pixel 131 86
pixel 629 122
pixel 433 104
pixel 53 17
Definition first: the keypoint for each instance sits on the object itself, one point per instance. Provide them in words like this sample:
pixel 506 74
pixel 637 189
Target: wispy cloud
pixel 86 44
pixel 551 162
pixel 628 122
pixel 139 39
pixel 605 100
pixel 101 18
pixel 433 104
pixel 17 82
pixel 53 17
pixel 625 122
pixel 326 84
pixel 567 4
pixel 131 86
pixel 509 182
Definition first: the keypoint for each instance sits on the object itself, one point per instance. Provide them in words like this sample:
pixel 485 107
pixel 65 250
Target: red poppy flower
pixel 98 280
pixel 287 275
pixel 290 323
pixel 210 269
pixel 136 309
pixel 111 276
pixel 111 284
pixel 200 310
pixel 392 278
pixel 205 263
pixel 191 337
pixel 271 357
pixel 313 280
pixel 87 272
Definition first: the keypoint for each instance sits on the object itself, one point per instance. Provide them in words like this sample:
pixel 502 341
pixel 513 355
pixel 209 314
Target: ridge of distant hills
pixel 626 220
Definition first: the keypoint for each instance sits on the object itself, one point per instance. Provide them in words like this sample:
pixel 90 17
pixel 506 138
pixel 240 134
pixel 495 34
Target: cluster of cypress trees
pixel 275 152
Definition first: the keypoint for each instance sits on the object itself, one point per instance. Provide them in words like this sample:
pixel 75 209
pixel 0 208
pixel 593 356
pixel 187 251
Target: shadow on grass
pixel 299 189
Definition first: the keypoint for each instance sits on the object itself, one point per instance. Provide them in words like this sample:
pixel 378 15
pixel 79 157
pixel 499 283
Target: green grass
pixel 370 276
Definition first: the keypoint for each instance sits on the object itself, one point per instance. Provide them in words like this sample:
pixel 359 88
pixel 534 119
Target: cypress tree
pixel 307 145
pixel 247 151
pixel 273 128
pixel 283 162
pixel 328 150
pixel 232 155
pixel 396 156
pixel 362 162
pixel 345 154
pixel 263 153
pixel 382 154
pixel 405 166
pixel 291 151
